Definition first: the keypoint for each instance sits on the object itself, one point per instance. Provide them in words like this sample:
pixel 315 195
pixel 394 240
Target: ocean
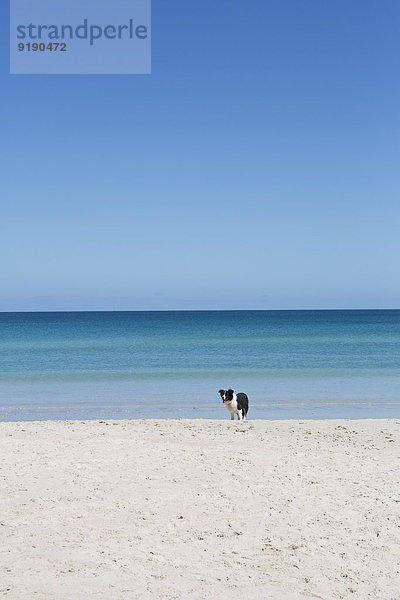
pixel 312 364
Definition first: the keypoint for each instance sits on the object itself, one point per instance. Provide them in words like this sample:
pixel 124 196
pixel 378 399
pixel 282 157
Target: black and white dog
pixel 237 404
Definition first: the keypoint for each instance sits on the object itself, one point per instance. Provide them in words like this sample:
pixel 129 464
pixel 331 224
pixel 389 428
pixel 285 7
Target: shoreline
pixel 315 411
pixel 196 420
pixel 199 508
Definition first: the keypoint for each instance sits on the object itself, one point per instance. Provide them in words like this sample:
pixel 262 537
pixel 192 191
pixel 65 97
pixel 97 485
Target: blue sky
pixel 257 167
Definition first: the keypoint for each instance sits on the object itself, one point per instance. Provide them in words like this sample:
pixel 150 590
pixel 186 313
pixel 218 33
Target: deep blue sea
pixel 292 364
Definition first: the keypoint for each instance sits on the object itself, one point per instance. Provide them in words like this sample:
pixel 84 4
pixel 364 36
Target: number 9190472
pixel 42 47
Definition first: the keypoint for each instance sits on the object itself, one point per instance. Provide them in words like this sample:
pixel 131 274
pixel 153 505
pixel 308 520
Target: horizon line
pixel 195 310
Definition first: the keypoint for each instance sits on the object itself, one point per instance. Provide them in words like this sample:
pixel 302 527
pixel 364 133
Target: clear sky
pixel 257 167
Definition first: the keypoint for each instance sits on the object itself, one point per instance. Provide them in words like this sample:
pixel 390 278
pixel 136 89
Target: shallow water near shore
pixel 292 364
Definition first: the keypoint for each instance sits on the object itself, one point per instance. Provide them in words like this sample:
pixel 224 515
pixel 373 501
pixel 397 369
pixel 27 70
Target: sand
pixel 200 509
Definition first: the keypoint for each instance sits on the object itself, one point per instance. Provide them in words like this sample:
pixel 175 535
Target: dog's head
pixel 226 395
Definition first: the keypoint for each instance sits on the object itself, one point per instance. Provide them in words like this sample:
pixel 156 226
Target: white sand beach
pixel 200 509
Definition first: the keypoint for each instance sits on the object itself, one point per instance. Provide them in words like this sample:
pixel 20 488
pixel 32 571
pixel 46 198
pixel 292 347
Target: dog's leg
pixel 232 417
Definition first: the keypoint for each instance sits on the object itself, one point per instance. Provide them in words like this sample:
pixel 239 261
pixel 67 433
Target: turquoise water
pixel 292 364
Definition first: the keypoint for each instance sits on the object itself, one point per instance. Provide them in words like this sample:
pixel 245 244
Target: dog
pixel 237 404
